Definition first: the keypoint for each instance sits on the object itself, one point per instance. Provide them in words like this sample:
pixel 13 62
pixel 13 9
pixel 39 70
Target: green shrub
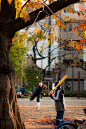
pixel 83 94
pixel 74 93
pixel 46 92
pixel 16 87
pixel 26 91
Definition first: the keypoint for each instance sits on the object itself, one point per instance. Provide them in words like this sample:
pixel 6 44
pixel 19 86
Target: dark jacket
pixel 36 92
pixel 23 90
pixel 39 89
pixel 59 105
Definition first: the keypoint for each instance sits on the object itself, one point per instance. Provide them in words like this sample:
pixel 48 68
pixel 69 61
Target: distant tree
pixel 18 53
pixel 33 76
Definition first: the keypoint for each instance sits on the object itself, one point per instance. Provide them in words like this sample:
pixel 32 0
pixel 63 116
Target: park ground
pixel 44 117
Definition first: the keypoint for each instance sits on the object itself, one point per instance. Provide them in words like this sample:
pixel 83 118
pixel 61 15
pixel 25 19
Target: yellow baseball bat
pixel 60 82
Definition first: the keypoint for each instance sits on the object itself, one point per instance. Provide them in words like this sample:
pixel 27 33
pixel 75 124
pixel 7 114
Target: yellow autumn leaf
pixel 55 32
pixel 69 17
pixel 48 43
pixel 56 13
pixel 83 48
pixel 42 48
pixel 76 32
pixel 73 43
pixel 12 40
pixel 45 25
pixel 9 1
pixel 36 30
pixel 52 42
pixel 39 40
pixel 54 16
pixel 40 1
pixel 50 26
pixel 55 37
pixel 33 0
pixel 65 17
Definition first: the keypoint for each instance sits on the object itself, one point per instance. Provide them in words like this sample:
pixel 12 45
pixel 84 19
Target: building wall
pixel 75 73
pixel 67 55
pixel 70 34
pixel 75 84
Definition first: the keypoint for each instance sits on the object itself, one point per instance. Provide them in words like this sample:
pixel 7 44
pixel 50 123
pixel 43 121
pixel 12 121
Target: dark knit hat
pixel 56 83
pixel 58 88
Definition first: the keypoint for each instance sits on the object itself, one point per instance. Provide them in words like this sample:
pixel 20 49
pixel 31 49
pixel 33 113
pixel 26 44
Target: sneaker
pixel 37 107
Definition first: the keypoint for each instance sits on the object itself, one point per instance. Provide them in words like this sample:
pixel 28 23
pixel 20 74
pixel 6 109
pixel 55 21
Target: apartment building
pixel 72 58
pixel 67 55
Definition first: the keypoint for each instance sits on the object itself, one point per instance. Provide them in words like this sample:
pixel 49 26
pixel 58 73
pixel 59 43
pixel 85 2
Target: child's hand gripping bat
pixel 58 84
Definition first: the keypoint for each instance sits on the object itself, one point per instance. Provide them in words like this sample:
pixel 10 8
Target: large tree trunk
pixel 9 111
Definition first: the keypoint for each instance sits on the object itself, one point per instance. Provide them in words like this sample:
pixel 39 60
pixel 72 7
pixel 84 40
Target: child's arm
pixel 57 96
pixel 50 94
pixel 43 93
pixel 44 87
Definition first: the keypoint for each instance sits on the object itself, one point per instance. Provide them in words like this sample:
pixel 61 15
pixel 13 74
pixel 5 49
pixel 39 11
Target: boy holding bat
pixel 58 97
pixel 37 92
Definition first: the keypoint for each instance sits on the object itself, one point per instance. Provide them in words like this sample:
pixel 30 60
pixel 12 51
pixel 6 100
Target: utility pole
pixel 34 51
pixel 78 84
pixel 72 70
pixel 41 66
pixel 22 75
pixel 59 77
pixel 49 48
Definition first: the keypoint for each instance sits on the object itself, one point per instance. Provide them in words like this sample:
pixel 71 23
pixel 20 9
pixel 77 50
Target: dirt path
pixel 43 118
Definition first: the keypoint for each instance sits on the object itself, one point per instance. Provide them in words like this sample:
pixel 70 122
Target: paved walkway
pixel 32 116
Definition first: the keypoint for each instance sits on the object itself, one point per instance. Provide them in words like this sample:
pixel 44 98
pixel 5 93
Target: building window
pixel 68 27
pixel 76 25
pixel 65 45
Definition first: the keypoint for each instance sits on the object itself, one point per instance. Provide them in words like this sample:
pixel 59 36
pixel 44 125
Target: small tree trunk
pixel 9 111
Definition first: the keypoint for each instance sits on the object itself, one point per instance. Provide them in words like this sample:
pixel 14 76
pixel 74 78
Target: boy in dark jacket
pixel 37 92
pixel 23 90
pixel 59 101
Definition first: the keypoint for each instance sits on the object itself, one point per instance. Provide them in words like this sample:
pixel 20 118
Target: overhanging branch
pixel 19 23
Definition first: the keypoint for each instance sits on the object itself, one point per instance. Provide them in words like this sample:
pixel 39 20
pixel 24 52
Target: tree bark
pixel 9 111
pixel 10 117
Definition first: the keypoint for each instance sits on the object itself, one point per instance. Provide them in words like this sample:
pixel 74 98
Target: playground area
pixel 44 117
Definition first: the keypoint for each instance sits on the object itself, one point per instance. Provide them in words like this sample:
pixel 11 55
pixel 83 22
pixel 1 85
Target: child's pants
pixel 60 115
